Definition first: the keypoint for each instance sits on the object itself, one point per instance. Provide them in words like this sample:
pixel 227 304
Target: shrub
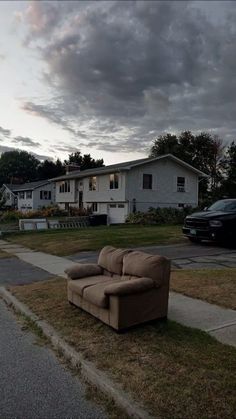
pixel 11 215
pixel 47 212
pixel 160 216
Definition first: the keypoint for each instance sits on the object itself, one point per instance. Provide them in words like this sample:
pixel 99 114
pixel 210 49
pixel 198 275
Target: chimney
pixel 72 167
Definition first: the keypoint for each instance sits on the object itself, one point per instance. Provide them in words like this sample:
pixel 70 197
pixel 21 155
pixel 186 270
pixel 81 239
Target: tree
pixel 84 162
pixel 228 187
pixel 165 144
pixel 49 169
pixel 18 167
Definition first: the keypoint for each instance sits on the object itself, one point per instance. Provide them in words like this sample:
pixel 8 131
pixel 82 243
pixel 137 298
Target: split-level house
pixel 137 185
pixel 29 196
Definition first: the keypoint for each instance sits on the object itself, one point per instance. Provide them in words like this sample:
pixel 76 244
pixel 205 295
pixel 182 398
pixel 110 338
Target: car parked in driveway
pixel 217 223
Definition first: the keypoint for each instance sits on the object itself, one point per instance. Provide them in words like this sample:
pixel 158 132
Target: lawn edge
pixel 89 372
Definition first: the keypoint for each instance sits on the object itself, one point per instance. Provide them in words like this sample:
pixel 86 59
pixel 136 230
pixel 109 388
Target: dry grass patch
pixel 4 255
pixel 68 242
pixel 175 371
pixel 217 286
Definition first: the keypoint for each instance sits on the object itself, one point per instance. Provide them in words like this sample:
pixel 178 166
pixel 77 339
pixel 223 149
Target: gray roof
pixel 29 186
pixel 118 167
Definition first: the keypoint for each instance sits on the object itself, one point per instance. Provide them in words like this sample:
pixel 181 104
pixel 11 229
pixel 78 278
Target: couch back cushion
pixel 111 259
pixel 145 265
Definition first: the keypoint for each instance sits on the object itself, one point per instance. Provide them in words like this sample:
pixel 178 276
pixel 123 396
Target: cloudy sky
pixel 108 77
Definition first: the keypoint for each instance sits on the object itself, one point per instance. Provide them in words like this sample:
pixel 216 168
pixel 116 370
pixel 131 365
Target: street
pixel 33 384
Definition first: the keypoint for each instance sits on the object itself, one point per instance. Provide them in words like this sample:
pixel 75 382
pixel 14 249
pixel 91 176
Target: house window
pixel 94 207
pixel 28 194
pixel 21 195
pixel 64 186
pixel 93 183
pixel 180 184
pixel 45 195
pixel 147 181
pixel 114 181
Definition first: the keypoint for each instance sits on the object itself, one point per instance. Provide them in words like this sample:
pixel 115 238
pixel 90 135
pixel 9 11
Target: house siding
pixel 104 194
pixel 11 199
pixel 44 202
pixel 34 203
pixel 164 191
pixel 67 197
pixel 117 203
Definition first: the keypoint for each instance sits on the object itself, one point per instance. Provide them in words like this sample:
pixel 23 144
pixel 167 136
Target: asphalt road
pixel 33 384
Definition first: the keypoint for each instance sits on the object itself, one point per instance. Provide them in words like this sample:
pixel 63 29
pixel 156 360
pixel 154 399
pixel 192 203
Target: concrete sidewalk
pixel 218 322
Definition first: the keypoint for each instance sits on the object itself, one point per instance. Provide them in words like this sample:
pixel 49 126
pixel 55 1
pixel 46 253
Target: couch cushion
pixel 111 259
pixel 82 270
pixel 95 294
pixel 79 285
pixel 145 265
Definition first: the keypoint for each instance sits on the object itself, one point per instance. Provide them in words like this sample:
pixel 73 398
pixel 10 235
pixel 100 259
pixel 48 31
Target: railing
pixel 78 223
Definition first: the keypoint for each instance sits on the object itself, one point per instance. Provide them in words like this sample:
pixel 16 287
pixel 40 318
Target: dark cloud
pixel 25 141
pixel 5 132
pixel 124 72
pixel 4 149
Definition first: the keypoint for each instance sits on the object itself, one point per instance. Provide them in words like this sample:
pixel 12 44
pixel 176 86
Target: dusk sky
pixel 108 77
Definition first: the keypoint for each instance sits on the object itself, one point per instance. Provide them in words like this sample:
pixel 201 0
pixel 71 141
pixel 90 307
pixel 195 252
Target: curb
pixel 87 369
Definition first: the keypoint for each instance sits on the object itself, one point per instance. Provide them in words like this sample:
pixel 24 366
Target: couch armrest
pixel 82 270
pixel 132 286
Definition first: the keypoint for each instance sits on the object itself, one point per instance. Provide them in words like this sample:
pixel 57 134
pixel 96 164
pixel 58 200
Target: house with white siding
pixel 29 196
pixel 137 185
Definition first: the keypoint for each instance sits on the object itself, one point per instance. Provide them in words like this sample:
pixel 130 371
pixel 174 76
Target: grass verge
pixel 4 255
pixel 66 242
pixel 173 370
pixel 217 286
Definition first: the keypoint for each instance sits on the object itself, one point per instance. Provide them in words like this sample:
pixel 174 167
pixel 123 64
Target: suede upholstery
pixel 111 259
pixel 129 288
pixel 81 270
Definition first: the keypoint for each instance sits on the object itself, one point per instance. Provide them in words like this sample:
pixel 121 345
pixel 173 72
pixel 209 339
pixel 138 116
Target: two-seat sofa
pixel 123 289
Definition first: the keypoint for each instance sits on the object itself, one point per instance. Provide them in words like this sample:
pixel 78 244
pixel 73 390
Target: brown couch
pixel 123 289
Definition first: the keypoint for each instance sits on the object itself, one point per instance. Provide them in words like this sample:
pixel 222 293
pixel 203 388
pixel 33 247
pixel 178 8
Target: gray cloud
pixel 4 149
pixel 5 132
pixel 26 141
pixel 124 72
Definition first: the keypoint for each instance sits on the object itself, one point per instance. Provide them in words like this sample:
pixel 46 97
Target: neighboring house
pixel 29 196
pixel 10 196
pixel 137 185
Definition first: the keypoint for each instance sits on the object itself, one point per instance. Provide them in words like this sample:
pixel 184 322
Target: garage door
pixel 116 213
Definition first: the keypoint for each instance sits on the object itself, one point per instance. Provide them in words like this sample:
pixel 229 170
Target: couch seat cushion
pixel 95 294
pixel 111 259
pixel 79 285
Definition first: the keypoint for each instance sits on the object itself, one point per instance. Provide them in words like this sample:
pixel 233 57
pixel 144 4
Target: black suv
pixel 217 223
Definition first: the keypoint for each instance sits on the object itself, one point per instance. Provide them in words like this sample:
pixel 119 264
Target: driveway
pixel 183 256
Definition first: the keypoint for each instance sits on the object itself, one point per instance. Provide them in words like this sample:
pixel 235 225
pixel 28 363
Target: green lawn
pixel 66 242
